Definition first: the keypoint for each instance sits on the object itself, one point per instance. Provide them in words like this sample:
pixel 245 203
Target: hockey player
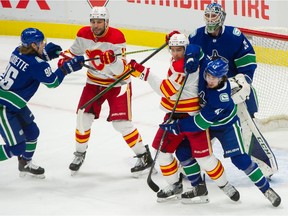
pixel 27 68
pixel 199 142
pixel 219 114
pixel 228 42
pixel 103 41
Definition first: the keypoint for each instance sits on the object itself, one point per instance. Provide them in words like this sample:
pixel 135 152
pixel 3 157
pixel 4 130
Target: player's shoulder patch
pixel 224 97
pixel 193 33
pixel 236 31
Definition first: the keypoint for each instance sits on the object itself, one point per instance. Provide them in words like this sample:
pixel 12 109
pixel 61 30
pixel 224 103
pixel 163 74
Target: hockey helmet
pixel 31 35
pixel 214 16
pixel 178 40
pixel 217 68
pixel 99 13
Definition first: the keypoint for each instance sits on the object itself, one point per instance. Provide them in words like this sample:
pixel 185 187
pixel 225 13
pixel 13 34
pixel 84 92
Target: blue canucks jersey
pixel 22 78
pixel 230 45
pixel 218 109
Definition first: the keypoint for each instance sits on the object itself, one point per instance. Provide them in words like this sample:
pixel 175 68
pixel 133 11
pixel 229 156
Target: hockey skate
pixel 171 192
pixel 77 162
pixel 144 161
pixel 198 194
pixel 231 192
pixel 273 197
pixel 27 167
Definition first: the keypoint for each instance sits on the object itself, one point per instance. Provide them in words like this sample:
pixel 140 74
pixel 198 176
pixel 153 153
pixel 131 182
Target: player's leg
pixel 119 101
pixel 251 169
pixel 202 152
pixel 192 170
pixel 168 165
pixel 91 112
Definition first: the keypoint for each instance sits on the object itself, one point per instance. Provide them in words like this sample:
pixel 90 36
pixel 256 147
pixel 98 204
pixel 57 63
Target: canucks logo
pixel 215 55
pixel 224 97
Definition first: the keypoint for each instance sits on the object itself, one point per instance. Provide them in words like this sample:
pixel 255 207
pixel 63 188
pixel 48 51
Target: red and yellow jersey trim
pixel 186 105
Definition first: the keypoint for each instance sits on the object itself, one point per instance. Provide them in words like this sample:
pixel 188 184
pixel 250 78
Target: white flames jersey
pixel 169 89
pixel 87 43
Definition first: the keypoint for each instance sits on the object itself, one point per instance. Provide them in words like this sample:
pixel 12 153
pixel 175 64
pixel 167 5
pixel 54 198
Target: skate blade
pixel 24 174
pixel 169 199
pixel 73 173
pixel 143 173
pixel 195 200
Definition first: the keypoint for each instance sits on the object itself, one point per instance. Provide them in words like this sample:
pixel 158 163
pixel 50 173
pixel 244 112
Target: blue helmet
pixel 217 68
pixel 31 35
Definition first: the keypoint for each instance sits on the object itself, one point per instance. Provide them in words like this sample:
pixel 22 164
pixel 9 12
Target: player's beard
pixel 97 31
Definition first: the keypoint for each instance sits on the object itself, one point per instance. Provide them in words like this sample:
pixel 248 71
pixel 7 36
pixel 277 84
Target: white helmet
pixel 99 13
pixel 178 40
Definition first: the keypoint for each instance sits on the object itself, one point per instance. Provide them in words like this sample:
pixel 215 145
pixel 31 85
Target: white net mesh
pixel 271 76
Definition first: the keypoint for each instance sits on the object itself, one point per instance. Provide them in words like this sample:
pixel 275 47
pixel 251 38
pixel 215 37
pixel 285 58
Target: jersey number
pixel 9 77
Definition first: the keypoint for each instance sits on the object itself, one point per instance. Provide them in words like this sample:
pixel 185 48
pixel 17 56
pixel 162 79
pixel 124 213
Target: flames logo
pixel 97 3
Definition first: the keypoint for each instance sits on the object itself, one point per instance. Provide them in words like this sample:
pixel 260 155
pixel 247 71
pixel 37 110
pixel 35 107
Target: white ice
pixel 104 185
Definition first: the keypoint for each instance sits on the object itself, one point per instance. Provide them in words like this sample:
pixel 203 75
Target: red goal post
pixel 271 76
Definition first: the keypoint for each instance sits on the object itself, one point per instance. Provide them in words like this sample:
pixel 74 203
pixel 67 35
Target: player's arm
pixel 245 59
pixel 52 79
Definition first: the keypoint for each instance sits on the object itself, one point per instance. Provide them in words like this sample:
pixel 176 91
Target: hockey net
pixel 271 77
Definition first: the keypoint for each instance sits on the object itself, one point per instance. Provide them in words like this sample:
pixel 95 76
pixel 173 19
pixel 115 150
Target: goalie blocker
pixel 255 144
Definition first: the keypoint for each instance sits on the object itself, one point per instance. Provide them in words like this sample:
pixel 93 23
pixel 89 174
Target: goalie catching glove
pixel 240 85
pixel 140 71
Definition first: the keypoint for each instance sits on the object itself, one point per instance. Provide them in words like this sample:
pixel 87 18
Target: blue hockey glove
pixel 74 64
pixel 51 51
pixel 171 127
pixel 192 56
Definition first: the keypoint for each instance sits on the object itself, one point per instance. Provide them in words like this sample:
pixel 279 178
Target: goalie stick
pixel 150 181
pixel 243 113
pixel 81 110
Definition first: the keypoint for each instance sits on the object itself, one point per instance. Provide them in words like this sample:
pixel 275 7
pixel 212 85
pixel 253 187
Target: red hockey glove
pixel 68 56
pixel 139 70
pixel 107 57
pixel 168 36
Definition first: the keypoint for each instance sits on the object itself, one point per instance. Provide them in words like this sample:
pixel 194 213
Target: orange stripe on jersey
pixel 167 88
pixel 170 169
pixel 216 172
pixel 133 138
pixel 98 80
pixel 187 105
pixel 82 138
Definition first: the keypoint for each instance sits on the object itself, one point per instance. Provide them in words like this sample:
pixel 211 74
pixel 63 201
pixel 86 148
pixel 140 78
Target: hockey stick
pixel 80 111
pixel 242 110
pixel 126 53
pixel 150 182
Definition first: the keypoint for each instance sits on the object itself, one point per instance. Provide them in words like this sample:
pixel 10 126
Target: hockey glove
pixel 107 57
pixel 171 126
pixel 51 51
pixel 240 85
pixel 140 71
pixel 192 57
pixel 168 36
pixel 74 64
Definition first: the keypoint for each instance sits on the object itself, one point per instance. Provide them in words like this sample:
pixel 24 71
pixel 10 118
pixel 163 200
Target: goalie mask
pixel 178 40
pixel 214 17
